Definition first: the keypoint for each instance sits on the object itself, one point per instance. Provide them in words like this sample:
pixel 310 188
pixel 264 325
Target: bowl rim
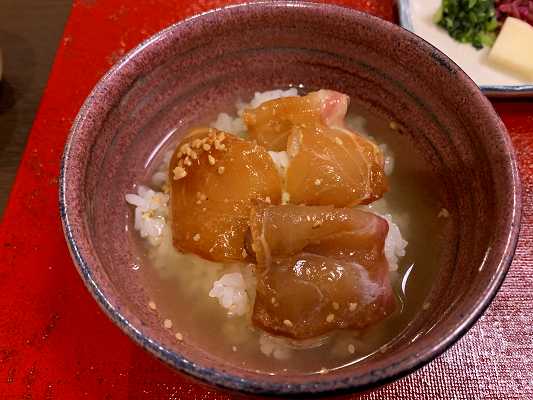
pixel 320 387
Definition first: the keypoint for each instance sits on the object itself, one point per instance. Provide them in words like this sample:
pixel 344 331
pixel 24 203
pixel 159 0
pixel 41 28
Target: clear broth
pixel 179 284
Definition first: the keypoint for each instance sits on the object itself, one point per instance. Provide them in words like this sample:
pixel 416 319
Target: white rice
pixel 230 290
pixel 235 290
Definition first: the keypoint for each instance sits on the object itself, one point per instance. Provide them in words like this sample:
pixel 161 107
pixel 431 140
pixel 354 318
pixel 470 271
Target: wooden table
pixel 29 34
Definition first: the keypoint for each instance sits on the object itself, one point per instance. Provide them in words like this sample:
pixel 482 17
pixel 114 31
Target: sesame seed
pixel 196 237
pixel 244 253
pixel 167 323
pixel 393 125
pixel 273 300
pixel 179 336
pixel 187 162
pixel 234 348
pixel 184 148
pixel 206 146
pixel 179 173
pixel 443 213
pixel 426 305
pixel 287 323
pixel 338 140
pixel 211 159
pixel 267 199
pixel 204 209
pixel 330 318
pixel 221 170
pixel 335 305
pixel 351 348
pixel 201 196
pixel 352 306
pixel 317 224
pixel 152 305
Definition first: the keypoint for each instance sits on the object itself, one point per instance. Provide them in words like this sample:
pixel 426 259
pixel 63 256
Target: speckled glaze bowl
pixel 190 70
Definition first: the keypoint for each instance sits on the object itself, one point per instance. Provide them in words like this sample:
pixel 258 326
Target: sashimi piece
pixel 333 166
pixel 319 268
pixel 214 176
pixel 271 123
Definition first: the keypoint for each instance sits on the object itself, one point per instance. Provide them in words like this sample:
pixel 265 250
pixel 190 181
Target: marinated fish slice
pixel 333 166
pixel 319 269
pixel 281 231
pixel 271 123
pixel 214 176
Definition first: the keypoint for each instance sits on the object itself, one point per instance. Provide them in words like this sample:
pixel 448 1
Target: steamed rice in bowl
pixel 213 302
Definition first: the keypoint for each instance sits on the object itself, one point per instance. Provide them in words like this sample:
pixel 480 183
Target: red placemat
pixel 55 343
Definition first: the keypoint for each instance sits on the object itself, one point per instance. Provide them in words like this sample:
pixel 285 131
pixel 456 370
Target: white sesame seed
pixel 211 159
pixel 338 140
pixel 330 318
pixel 443 213
pixel 234 348
pixel 267 199
pixel 152 305
pixel 179 336
pixel 317 182
pixel 273 300
pixel 196 237
pixel 167 323
pixel 179 173
pixel 426 305
pixel 351 348
pixel 352 306
pixel 287 323
pixel 221 170
pixel 335 305
pixel 244 253
pixel 393 125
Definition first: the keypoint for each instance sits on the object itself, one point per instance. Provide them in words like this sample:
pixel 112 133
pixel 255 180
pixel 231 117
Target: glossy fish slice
pixel 333 166
pixel 319 268
pixel 214 176
pixel 271 123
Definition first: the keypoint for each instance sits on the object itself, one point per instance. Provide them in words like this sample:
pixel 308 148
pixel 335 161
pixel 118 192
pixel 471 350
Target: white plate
pixel 417 16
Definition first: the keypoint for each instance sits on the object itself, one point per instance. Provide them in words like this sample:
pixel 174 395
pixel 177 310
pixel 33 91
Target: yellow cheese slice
pixel 513 48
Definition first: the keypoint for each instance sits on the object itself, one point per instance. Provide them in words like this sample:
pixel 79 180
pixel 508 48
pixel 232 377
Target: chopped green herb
pixel 469 21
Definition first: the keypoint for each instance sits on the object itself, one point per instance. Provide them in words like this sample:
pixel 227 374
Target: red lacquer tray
pixel 55 343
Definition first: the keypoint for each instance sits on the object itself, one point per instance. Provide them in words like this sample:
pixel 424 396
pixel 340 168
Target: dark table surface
pixel 29 34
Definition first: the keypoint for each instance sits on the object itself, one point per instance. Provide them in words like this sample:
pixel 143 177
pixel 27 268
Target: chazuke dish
pixel 288 235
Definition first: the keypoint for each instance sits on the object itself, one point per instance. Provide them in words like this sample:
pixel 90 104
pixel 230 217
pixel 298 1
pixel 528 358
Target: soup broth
pixel 179 284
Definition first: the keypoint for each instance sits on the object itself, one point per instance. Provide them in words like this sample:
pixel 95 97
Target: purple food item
pixel 521 9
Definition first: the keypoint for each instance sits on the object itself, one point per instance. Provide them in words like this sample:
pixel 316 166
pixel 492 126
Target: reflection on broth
pixel 208 287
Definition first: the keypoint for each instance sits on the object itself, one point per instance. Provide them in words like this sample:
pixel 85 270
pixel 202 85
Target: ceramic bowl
pixel 195 67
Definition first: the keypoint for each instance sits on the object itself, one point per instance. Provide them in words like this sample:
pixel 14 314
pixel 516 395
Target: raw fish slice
pixel 214 176
pixel 271 123
pixel 319 268
pixel 333 166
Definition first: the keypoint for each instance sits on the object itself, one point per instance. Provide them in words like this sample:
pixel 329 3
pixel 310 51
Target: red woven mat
pixel 55 343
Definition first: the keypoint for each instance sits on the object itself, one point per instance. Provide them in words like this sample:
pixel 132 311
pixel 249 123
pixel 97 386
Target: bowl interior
pixel 189 72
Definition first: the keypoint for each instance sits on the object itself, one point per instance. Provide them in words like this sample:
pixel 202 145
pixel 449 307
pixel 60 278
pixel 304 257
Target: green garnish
pixel 469 21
